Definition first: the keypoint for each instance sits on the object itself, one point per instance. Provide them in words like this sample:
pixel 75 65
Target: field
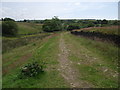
pixel 70 61
pixel 28 28
pixel 27 33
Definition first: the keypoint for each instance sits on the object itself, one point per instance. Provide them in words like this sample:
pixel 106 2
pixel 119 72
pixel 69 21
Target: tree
pixel 24 20
pixel 52 25
pixel 8 19
pixel 90 24
pixel 104 21
pixel 9 28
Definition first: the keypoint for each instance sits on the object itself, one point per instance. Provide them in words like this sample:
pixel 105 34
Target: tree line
pixel 10 28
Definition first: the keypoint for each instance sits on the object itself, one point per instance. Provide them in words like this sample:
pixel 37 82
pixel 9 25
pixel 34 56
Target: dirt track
pixel 67 70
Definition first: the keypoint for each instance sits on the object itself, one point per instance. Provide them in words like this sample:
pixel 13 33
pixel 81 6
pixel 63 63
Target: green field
pixel 28 28
pixel 70 61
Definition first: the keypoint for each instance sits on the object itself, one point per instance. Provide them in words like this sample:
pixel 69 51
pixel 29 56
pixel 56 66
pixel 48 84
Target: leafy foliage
pixel 52 25
pixel 31 69
pixel 8 19
pixel 9 28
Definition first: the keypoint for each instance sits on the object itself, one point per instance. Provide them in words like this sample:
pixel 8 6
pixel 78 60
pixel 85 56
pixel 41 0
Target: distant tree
pixel 9 28
pixel 99 21
pixel 116 22
pixel 24 20
pixel 52 25
pixel 104 21
pixel 8 19
pixel 90 24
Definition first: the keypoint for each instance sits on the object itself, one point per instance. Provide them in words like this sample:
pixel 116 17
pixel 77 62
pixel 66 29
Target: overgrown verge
pixel 102 36
pixel 8 45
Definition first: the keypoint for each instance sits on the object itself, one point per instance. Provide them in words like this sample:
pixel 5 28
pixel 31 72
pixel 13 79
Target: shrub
pixel 9 28
pixel 31 69
pixel 8 19
pixel 52 25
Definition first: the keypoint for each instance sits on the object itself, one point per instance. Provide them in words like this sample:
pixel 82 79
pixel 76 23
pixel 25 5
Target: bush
pixel 9 28
pixel 8 19
pixel 32 69
pixel 52 25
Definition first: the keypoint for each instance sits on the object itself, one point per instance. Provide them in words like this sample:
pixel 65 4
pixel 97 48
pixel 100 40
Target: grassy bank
pixel 10 43
pixel 104 30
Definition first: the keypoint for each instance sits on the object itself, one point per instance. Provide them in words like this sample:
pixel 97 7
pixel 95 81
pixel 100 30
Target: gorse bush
pixel 31 69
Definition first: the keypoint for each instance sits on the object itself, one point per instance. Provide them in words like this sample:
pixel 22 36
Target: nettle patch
pixel 31 70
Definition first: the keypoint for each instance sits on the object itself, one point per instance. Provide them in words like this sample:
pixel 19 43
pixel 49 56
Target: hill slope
pixel 70 62
pixel 28 28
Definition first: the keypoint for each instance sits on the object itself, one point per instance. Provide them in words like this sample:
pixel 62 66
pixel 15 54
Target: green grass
pixel 45 51
pixel 11 43
pixel 82 54
pixel 105 51
pixel 28 28
pixel 91 74
pixel 89 57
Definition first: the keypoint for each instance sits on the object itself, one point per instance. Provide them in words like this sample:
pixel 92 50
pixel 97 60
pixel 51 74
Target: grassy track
pixel 96 61
pixel 42 51
pixel 71 61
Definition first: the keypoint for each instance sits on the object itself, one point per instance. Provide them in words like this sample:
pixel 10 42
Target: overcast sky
pixel 64 10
